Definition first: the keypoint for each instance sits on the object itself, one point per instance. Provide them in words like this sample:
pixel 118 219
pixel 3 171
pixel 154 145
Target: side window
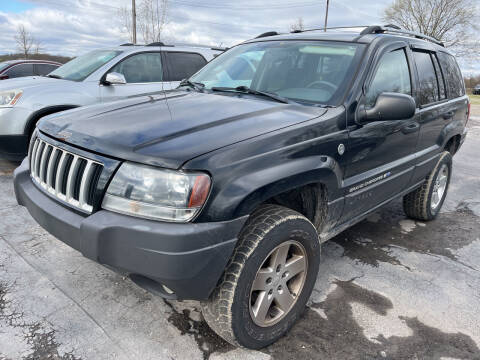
pixel 183 65
pixel 428 87
pixel 453 75
pixel 44 69
pixel 392 75
pixel 440 78
pixel 141 68
pixel 20 71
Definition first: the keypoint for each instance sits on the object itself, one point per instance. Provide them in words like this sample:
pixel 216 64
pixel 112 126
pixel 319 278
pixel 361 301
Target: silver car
pixel 96 77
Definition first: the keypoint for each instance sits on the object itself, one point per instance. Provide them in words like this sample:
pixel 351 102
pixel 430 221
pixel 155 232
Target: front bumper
pixel 13 147
pixel 187 258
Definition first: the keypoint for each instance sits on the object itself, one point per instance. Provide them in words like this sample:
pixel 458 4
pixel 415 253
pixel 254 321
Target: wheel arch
pixel 37 115
pixel 307 193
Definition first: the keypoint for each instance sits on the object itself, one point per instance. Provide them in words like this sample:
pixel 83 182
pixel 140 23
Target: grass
pixel 475 99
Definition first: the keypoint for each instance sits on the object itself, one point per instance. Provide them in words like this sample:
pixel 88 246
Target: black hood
pixel 168 130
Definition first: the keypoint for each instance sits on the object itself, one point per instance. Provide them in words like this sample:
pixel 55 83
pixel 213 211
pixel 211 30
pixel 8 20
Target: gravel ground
pixel 388 288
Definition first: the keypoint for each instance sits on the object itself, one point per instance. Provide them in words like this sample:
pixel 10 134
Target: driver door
pixel 381 154
pixel 143 75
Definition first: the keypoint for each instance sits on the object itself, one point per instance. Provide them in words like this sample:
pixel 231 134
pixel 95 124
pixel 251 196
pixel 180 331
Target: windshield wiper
pixel 53 76
pixel 247 90
pixel 196 85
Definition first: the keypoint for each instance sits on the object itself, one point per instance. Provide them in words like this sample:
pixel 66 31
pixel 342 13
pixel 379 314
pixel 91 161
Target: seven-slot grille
pixel 64 175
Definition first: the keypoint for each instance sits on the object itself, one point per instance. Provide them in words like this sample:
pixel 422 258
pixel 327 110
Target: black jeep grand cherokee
pixel 224 189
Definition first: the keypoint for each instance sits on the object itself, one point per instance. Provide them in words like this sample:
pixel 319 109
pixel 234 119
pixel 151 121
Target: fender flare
pixel 37 115
pixel 327 174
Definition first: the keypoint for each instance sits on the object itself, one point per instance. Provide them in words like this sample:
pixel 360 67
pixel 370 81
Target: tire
pixel 269 231
pixel 422 203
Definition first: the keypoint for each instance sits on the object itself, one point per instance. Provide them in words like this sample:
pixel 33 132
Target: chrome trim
pixel 43 169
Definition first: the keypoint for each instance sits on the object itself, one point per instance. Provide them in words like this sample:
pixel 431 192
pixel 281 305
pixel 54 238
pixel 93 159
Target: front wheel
pixel 425 202
pixel 268 280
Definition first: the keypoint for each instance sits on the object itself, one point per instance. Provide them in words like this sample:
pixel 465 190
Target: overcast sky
pixel 72 27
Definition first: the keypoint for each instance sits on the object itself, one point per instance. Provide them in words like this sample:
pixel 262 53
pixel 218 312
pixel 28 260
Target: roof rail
pixel 266 34
pixel 379 29
pixel 329 28
pixel 157 43
pixel 127 44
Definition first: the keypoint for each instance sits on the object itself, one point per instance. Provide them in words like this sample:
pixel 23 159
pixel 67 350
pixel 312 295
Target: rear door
pixel 143 73
pixel 437 112
pixel 179 66
pixel 381 154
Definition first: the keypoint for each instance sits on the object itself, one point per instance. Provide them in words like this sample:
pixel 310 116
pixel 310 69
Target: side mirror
pixel 4 77
pixel 389 106
pixel 115 78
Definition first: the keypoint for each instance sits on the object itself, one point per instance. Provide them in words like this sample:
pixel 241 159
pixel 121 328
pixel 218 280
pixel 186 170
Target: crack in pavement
pixel 126 352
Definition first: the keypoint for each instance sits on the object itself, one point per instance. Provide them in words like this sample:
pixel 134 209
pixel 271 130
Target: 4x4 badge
pixel 341 149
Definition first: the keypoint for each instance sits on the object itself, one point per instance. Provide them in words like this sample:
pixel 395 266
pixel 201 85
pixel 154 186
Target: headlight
pixel 10 98
pixel 158 194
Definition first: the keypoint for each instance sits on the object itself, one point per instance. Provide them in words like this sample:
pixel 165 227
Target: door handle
pixel 411 128
pixel 448 115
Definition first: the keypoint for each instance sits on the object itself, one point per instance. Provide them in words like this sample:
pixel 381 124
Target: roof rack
pixel 330 28
pixel 379 29
pixel 157 43
pixel 160 43
pixel 266 34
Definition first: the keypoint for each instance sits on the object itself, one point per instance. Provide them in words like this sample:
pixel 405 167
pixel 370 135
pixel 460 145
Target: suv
pixel 223 189
pixel 476 90
pixel 21 68
pixel 98 76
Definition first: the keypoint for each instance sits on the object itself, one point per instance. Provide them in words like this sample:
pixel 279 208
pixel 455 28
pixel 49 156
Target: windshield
pixel 307 71
pixel 81 67
pixel 3 65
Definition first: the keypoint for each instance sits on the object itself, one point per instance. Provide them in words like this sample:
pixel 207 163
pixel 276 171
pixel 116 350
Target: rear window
pixel 440 77
pixel 183 65
pixel 20 71
pixel 428 89
pixel 453 75
pixel 44 69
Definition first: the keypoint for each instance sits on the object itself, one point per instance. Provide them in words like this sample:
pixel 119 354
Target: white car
pixel 96 77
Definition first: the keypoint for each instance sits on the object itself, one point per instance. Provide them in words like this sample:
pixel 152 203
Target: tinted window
pixel 453 76
pixel 392 75
pixel 44 69
pixel 183 65
pixel 316 72
pixel 440 78
pixel 428 87
pixel 20 70
pixel 141 68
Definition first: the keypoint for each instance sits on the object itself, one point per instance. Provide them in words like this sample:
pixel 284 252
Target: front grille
pixel 64 175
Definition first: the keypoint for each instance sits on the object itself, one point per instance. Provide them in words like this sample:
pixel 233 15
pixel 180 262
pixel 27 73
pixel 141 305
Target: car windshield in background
pixel 305 71
pixel 81 67
pixel 4 65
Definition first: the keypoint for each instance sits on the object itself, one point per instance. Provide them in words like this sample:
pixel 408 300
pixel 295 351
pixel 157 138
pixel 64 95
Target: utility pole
pixel 326 16
pixel 134 22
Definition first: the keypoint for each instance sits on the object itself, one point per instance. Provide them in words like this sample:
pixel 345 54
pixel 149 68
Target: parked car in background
pixel 98 76
pixel 223 189
pixel 476 90
pixel 22 68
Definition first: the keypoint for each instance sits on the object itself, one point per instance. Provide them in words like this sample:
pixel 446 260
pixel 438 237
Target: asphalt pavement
pixel 388 288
